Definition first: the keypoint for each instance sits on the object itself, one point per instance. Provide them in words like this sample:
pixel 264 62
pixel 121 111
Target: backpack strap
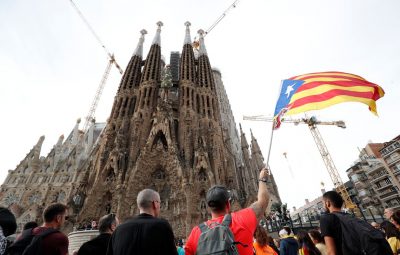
pixel 203 227
pixel 227 220
pixel 45 233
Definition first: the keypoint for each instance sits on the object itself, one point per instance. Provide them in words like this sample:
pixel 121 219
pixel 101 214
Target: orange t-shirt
pixel 244 223
pixel 263 250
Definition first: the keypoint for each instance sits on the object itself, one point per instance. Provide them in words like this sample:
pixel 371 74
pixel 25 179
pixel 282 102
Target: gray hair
pixel 146 197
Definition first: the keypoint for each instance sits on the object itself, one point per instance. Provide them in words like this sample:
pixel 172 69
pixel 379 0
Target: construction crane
pixel 216 22
pixel 90 116
pixel 312 123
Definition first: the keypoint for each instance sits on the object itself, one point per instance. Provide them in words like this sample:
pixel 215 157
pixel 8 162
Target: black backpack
pixel 217 239
pixel 360 238
pixel 29 244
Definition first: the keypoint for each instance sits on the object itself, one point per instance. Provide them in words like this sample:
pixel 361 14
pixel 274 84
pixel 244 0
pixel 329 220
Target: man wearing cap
pixel 244 222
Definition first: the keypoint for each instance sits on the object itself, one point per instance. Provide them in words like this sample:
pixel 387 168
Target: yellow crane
pixel 312 124
pixel 216 22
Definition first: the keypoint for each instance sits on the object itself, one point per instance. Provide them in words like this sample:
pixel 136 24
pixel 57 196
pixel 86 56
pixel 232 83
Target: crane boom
pixel 312 123
pixel 96 36
pixel 216 22
pixel 111 62
pixel 330 166
pixel 99 91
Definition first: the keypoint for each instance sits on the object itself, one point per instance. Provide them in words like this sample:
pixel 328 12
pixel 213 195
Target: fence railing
pixel 311 221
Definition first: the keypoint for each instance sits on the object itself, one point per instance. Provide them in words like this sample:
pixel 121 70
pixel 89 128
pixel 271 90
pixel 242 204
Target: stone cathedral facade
pixel 171 129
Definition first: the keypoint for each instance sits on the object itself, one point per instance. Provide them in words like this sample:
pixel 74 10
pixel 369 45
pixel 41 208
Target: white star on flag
pixel 289 90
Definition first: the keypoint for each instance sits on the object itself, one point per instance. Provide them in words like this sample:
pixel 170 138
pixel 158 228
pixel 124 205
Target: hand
pixel 264 173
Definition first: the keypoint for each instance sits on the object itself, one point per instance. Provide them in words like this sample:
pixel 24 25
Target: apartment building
pixel 375 184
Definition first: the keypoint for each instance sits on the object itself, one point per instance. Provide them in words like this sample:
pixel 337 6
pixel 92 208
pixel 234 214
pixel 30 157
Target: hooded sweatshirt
pixel 289 246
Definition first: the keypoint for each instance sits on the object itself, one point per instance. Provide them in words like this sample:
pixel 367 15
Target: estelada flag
pixel 317 91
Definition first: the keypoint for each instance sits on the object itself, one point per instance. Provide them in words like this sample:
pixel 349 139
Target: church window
pixel 203 105
pixel 192 97
pixel 202 175
pixel 158 174
pixel 60 197
pixel 11 199
pixel 160 138
pixel 110 177
pixel 34 198
pixel 27 170
pixel 107 198
pixel 132 106
pixel 198 103
pixel 118 108
pixel 70 168
pixel 150 96
pixel 213 107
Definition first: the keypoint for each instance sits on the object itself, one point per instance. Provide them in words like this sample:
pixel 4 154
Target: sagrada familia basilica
pixel 171 129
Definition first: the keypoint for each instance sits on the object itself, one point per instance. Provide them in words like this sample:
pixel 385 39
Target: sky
pixel 51 65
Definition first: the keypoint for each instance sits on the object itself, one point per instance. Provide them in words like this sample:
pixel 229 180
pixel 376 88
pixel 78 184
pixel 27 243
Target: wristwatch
pixel 264 179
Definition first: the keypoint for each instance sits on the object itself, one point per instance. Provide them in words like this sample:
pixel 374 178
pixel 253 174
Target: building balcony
pixel 389 149
pixel 383 187
pixel 373 168
pixel 389 195
pixel 392 162
pixel 379 178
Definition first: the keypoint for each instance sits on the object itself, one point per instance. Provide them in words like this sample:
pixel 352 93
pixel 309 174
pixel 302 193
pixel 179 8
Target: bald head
pixel 146 198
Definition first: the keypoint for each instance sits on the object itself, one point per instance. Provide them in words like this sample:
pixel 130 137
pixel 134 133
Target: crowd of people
pixel 226 232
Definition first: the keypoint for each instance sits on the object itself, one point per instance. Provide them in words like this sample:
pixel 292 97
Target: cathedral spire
pixel 243 139
pixel 152 66
pixel 157 37
pixel 139 48
pixel 188 39
pixel 187 65
pixel 202 47
pixel 255 148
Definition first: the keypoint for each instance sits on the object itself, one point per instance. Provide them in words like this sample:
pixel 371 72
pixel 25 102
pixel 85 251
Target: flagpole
pixel 270 143
pixel 272 132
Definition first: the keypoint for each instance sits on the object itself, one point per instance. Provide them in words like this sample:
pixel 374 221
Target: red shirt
pixel 244 223
pixel 53 244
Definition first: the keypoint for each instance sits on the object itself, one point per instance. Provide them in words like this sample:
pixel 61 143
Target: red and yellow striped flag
pixel 316 91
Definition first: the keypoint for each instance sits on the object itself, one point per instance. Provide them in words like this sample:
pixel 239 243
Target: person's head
pixel 94 224
pixel 375 225
pixel 390 229
pixel 333 202
pixel 261 236
pixel 8 223
pixel 277 242
pixel 316 236
pixel 388 212
pixel 218 200
pixel 305 240
pixel 395 219
pixel 29 225
pixel 108 223
pixel 55 215
pixel 285 231
pixel 148 201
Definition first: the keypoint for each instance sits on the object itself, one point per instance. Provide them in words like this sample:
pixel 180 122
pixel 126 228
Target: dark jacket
pixel 96 246
pixel 289 246
pixel 143 234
